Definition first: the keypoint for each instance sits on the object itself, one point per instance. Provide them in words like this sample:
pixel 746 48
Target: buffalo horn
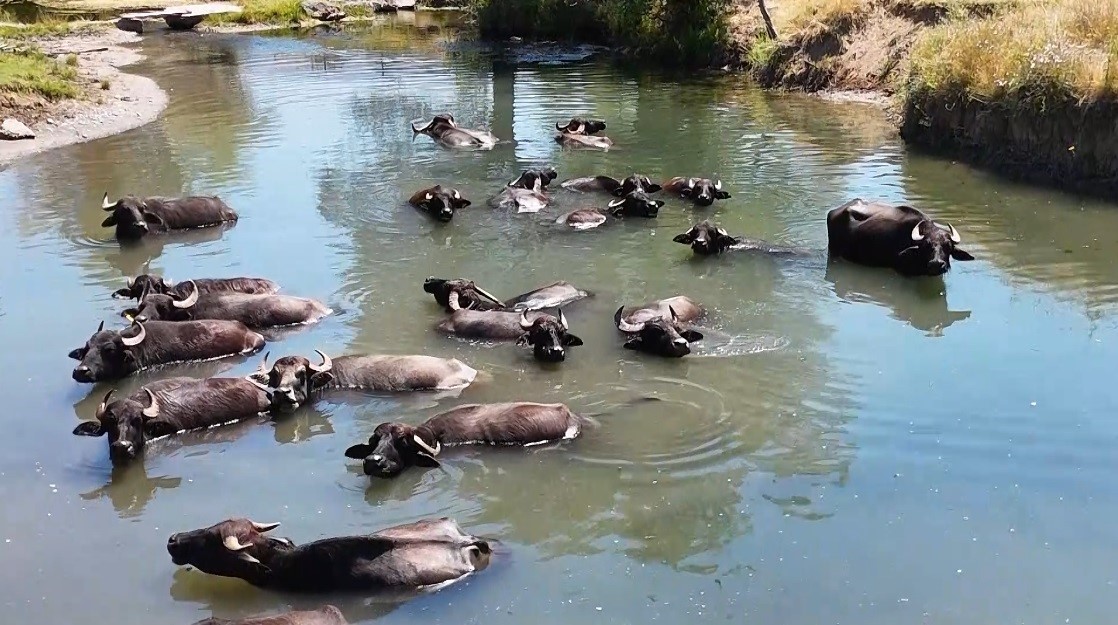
pixel 101 326
pixel 191 299
pixel 489 296
pixel 434 451
pixel 151 411
pixel 671 309
pixel 135 340
pixel 105 205
pixel 956 238
pixel 690 183
pixel 524 323
pixel 718 185
pixel 264 527
pixel 452 301
pixel 916 236
pixel 103 405
pixel 561 127
pixel 326 365
pixel 263 387
pixel 616 203
pixel 624 325
pixel 264 365
pixel 232 544
pixel 563 320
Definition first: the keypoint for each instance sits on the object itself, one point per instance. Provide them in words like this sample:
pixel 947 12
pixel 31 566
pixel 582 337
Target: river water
pixel 848 446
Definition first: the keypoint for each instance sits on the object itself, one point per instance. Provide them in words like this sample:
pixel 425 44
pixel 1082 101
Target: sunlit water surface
pixel 846 447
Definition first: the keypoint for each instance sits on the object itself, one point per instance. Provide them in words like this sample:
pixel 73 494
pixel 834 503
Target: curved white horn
pixel 434 451
pixel 136 340
pixel 671 309
pixel 489 295
pixel 616 203
pixel 232 544
pixel 103 405
pixel 191 299
pixel 151 411
pixel 264 365
pixel 956 238
pixel 916 236
pixel 326 365
pixel 690 183
pixel 452 301
pixel 524 323
pixel 624 325
pixel 264 527
pixel 718 185
pixel 105 204
pixel 563 320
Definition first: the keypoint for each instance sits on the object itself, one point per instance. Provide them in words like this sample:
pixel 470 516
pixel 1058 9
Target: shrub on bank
pixel 35 73
pixel 679 32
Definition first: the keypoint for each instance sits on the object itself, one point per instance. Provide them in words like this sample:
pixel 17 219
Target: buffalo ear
pixel 653 188
pixel 571 340
pixel 684 238
pixel 721 195
pixel 109 222
pixel 634 344
pixel 89 428
pixel 462 203
pixel 426 460
pixel 359 452
pixel 685 192
pixel 259 376
pixel 524 340
pixel 77 354
pixel 321 379
pixel 692 335
pixel 959 254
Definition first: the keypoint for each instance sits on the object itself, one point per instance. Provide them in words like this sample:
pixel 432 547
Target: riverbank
pixel 100 99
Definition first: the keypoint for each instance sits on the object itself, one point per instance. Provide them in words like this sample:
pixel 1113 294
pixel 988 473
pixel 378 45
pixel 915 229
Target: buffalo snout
pixel 83 374
pixel 122 451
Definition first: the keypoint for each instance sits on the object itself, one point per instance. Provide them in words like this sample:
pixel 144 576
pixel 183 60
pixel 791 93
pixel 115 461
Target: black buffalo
pixel 582 133
pixel 443 129
pixel 526 193
pixel 295 379
pixel 707 238
pixel 469 295
pixel 135 217
pixel 171 406
pixel 657 328
pixel 438 202
pixel 326 615
pixel 701 191
pixel 422 556
pixel 113 354
pixel 255 311
pixel 635 204
pixel 612 186
pixel 144 284
pixel 529 178
pixel 901 237
pixel 394 447
pixel 547 335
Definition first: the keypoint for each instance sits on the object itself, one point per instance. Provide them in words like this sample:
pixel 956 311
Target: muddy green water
pixel 848 446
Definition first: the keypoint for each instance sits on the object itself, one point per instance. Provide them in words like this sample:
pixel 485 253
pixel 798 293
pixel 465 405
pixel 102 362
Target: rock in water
pixel 323 12
pixel 13 129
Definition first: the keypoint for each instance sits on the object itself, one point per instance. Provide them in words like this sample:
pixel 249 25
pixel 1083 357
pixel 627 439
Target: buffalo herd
pixel 212 318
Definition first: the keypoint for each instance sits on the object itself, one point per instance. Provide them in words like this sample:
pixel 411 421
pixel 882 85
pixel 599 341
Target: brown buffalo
pixel 443 129
pixel 144 284
pixel 547 335
pixel 582 219
pixel 255 311
pixel 658 327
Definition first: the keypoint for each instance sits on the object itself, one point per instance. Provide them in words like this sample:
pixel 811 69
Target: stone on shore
pixel 13 130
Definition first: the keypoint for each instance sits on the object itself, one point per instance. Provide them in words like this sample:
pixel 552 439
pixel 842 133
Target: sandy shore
pixel 129 102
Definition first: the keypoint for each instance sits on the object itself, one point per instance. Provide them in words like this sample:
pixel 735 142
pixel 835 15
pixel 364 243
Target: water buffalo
pixel 394 447
pixel 438 202
pixel 635 204
pixel 707 238
pixel 443 129
pixel 469 295
pixel 549 336
pixel 901 237
pixel 422 556
pixel 529 177
pixel 582 133
pixel 255 311
pixel 326 615
pixel 111 355
pixel 525 194
pixel 658 326
pixel 171 406
pixel 144 284
pixel 582 219
pixel 135 217
pixel 295 379
pixel 701 191
pixel 611 185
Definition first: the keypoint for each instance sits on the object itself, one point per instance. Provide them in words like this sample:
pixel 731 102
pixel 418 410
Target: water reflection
pixel 130 489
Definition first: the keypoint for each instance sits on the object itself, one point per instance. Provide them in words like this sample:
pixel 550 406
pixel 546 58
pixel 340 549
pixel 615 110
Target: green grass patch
pixel 278 12
pixel 35 73
pixel 761 53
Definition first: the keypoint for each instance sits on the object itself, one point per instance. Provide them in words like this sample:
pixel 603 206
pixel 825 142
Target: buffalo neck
pixel 322 565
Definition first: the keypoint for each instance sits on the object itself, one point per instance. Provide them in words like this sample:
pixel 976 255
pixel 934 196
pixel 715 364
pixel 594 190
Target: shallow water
pixel 846 447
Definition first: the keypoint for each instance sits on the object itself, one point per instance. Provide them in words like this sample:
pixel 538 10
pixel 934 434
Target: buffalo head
pixel 107 355
pixel 394 447
pixel 439 202
pixel 548 336
pixel 636 182
pixel 294 379
pixel 227 548
pixel 159 307
pixel 933 247
pixel 635 204
pixel 581 126
pixel 143 284
pixel 131 217
pixel 707 238
pixel 535 179
pixel 465 294
pixel 658 336
pixel 703 191
pixel 438 123
pixel 125 422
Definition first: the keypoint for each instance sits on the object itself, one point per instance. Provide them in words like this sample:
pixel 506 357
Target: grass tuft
pixel 279 12
pixel 36 74
pixel 802 14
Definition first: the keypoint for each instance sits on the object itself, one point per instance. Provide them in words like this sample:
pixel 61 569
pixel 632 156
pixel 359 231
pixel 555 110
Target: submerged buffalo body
pixel 539 177
pixel 172 406
pixel 619 188
pixel 547 335
pixel 326 615
pixel 443 129
pixel 422 556
pixel 255 311
pixel 145 284
pixel 582 133
pixel 658 327
pixel 468 295
pixel 582 219
pixel 901 237
pixel 135 217
pixel 526 193
pixel 439 202
pixel 701 191
pixel 114 354
pixel 295 379
pixel 394 447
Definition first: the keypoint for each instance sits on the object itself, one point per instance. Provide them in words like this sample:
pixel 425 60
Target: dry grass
pixel 1032 53
pixel 795 15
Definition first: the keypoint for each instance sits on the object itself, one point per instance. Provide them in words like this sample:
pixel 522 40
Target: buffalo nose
pixel 937 266
pixel 680 341
pixel 82 374
pixel 123 446
pixel 377 458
